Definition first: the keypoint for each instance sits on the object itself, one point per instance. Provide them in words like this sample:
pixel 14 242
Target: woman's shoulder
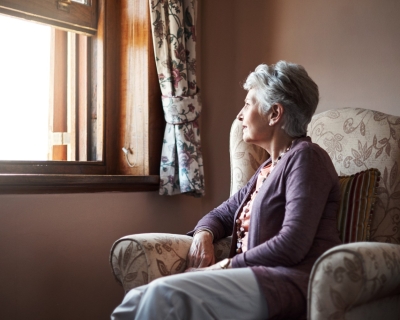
pixel 304 150
pixel 305 144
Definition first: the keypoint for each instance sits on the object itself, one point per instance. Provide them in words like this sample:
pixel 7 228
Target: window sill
pixel 75 183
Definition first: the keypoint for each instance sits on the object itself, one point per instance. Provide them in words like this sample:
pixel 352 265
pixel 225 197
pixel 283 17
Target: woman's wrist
pixel 204 230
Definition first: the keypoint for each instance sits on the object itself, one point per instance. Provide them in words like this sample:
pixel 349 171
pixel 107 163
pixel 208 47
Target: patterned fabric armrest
pixel 351 275
pixel 138 259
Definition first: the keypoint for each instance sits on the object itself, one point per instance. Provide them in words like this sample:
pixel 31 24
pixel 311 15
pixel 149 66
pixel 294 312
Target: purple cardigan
pixel 293 221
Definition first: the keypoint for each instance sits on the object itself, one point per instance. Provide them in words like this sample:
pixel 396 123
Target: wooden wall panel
pixel 139 91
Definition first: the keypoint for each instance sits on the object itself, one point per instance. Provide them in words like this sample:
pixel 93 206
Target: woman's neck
pixel 278 147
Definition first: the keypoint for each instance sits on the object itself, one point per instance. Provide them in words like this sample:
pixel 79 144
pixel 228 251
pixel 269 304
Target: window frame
pixel 64 14
pixel 112 96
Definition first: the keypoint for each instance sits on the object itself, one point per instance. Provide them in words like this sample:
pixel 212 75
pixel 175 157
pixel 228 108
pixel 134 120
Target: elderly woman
pixel 280 222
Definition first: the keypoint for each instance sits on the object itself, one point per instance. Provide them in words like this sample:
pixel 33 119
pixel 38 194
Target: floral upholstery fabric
pixel 359 139
pixel 138 259
pixel 245 158
pixel 173 26
pixel 353 275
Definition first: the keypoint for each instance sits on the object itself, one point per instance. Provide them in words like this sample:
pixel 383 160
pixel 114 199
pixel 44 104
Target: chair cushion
pixel 356 205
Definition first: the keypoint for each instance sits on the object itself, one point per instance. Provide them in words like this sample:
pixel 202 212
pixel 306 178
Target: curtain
pixel 173 24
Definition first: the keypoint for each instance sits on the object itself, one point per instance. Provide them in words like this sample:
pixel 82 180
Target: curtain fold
pixel 173 24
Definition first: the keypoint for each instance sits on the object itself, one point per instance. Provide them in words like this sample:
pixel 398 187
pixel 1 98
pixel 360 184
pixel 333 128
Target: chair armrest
pixel 140 258
pixel 351 275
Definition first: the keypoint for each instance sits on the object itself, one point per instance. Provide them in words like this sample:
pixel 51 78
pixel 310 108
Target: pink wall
pixel 350 48
pixel 54 248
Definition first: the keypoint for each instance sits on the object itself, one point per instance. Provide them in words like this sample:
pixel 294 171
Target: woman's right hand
pixel 201 252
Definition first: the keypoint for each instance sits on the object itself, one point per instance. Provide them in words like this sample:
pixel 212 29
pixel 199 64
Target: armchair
pixel 358 280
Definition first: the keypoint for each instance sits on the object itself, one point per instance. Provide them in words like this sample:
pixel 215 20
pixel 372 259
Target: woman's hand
pixel 201 252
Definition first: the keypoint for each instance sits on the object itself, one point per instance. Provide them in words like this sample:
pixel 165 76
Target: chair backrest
pixel 245 158
pixel 356 140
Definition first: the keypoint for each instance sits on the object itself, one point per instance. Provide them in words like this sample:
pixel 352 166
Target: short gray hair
pixel 290 85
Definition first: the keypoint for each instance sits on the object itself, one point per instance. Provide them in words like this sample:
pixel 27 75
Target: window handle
pixel 63 5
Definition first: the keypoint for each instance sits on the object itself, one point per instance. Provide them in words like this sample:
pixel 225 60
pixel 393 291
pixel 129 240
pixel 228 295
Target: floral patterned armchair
pixel 358 280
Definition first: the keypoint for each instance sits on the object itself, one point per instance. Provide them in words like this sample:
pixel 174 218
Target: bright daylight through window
pixel 44 93
pixel 24 89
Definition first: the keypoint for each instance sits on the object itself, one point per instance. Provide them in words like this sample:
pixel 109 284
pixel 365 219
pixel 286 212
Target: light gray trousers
pixel 223 294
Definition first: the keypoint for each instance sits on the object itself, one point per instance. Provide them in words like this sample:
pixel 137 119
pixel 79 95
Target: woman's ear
pixel 276 114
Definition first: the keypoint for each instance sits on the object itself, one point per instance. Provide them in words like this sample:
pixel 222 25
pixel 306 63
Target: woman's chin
pixel 247 139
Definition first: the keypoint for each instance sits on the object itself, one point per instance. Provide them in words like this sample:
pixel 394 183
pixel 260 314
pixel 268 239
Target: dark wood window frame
pixel 64 14
pixel 120 84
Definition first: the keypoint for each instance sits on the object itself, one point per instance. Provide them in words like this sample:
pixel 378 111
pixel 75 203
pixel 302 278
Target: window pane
pixel 24 89
pixel 45 89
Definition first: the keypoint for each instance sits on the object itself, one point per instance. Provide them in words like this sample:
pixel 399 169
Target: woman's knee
pixel 168 283
pixel 161 289
pixel 168 298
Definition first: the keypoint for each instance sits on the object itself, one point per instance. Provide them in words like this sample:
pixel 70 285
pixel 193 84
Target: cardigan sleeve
pixel 309 180
pixel 220 220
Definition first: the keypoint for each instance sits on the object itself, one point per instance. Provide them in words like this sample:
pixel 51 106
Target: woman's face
pixel 255 125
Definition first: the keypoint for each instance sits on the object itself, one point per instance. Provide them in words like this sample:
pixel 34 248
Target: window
pixel 45 111
pixel 123 82
pixel 72 117
pixel 24 117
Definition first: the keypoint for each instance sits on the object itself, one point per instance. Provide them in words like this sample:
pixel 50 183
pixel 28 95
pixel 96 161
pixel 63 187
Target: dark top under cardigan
pixel 293 221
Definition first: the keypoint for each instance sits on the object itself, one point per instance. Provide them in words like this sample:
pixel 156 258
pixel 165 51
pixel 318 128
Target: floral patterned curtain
pixel 173 24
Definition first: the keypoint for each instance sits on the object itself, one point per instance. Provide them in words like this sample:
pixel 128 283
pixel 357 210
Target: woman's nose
pixel 240 116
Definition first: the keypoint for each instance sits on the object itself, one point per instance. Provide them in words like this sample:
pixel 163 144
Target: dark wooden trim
pixel 67 183
pixel 110 76
pixel 52 167
pixel 80 18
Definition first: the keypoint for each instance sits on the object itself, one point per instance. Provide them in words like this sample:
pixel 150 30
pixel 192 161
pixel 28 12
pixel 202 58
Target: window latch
pixel 63 5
